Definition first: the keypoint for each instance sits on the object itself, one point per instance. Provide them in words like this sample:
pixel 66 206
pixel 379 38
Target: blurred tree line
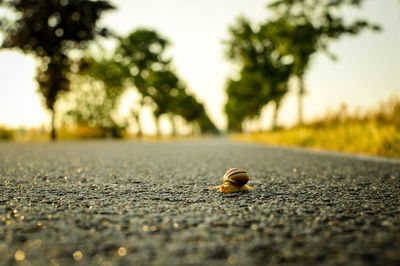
pixel 5 133
pixel 50 30
pixel 267 55
pixel 139 62
pixel 272 52
pixel 55 30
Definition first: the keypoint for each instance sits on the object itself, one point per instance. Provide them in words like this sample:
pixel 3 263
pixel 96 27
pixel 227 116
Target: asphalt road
pixel 127 203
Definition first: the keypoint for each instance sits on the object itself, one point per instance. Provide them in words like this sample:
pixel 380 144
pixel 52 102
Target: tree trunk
pixel 173 126
pixel 300 101
pixel 137 118
pixel 158 128
pixel 139 127
pixel 195 128
pixel 259 124
pixel 275 114
pixel 53 128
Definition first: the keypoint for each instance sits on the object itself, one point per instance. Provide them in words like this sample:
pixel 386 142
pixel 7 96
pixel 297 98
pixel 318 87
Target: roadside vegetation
pixel 90 85
pixel 82 84
pixel 376 131
pixel 269 54
pixel 6 133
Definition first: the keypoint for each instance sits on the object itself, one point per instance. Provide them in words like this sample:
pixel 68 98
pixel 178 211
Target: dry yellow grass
pixel 376 132
pixel 79 133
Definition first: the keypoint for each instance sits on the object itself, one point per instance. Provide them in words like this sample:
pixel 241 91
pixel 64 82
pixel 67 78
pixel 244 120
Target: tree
pixel 248 94
pixel 308 26
pixel 187 106
pixel 50 30
pixel 171 98
pixel 264 72
pixel 142 55
pixel 163 83
pixel 246 98
pixel 95 100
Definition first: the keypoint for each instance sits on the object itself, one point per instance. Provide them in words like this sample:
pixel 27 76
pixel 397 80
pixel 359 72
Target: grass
pixel 5 133
pixel 80 133
pixel 376 132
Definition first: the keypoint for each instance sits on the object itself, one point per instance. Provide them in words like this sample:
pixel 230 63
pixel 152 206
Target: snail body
pixel 234 180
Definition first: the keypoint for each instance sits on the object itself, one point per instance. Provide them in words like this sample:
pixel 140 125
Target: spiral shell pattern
pixel 235 180
pixel 236 176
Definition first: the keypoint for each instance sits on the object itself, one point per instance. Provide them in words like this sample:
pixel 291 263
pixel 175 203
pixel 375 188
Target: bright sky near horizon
pixel 367 72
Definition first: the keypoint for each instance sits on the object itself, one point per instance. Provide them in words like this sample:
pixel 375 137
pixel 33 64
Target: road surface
pixel 132 203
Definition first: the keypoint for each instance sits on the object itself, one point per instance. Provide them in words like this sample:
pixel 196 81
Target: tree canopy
pixel 138 62
pixel 264 71
pixel 96 96
pixel 142 53
pixel 306 27
pixel 50 30
pixel 271 52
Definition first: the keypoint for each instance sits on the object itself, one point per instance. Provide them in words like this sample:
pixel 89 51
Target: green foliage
pixel 49 30
pixel 264 71
pixel 375 131
pixel 299 42
pixel 138 61
pixel 6 134
pixel 306 27
pixel 109 72
pixel 164 85
pixel 280 48
pixel 246 97
pixel 192 111
pixel 142 55
pixel 94 101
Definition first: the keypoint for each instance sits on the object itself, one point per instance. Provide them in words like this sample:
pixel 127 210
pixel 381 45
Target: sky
pixel 367 71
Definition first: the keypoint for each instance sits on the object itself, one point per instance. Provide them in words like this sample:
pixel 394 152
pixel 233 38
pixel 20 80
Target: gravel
pixel 132 203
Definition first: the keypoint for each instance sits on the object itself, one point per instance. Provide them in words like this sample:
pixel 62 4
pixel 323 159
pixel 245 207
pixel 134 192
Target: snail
pixel 234 180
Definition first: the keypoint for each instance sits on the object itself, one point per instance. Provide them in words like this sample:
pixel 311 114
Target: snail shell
pixel 236 176
pixel 234 180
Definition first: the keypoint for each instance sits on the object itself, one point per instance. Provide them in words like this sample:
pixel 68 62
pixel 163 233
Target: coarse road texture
pixel 129 203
